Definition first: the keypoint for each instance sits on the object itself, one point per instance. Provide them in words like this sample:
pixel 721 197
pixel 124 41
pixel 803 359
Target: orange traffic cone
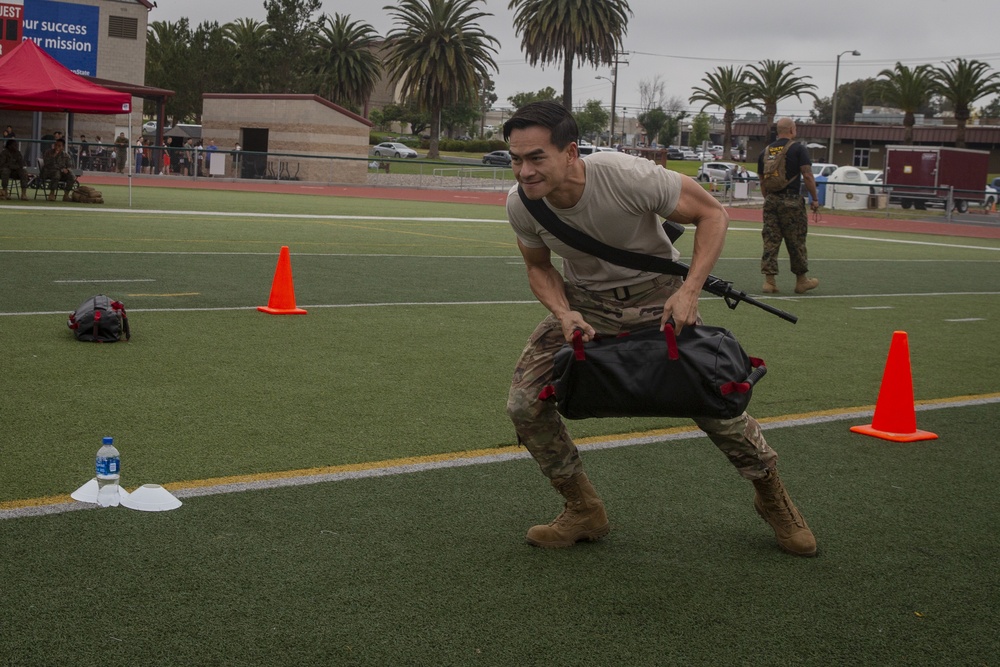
pixel 282 301
pixel 895 418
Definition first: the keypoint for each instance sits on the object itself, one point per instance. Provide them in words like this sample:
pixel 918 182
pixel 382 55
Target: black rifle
pixel 574 238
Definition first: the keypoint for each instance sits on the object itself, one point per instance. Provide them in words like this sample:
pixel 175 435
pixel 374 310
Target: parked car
pixel 590 150
pixel 501 158
pixel 689 154
pixel 714 171
pixel 873 175
pixel 393 149
pixel 675 154
pixel 823 168
pixel 149 127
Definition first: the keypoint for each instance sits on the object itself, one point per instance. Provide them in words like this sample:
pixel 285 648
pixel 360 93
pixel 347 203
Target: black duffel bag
pixel 703 372
pixel 100 319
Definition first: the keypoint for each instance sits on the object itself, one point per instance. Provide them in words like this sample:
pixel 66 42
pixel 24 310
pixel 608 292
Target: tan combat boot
pixel 51 196
pixel 774 506
pixel 67 196
pixel 24 195
pixel 582 518
pixel 803 284
pixel 3 195
pixel 770 287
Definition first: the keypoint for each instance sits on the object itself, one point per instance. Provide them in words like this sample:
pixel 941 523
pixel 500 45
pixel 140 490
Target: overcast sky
pixel 680 42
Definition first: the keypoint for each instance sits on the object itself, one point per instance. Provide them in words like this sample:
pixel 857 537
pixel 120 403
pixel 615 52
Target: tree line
pixel 957 85
pixel 436 51
pixel 443 62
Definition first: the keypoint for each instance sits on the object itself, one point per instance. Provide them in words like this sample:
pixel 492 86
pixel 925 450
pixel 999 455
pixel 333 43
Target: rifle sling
pixel 574 238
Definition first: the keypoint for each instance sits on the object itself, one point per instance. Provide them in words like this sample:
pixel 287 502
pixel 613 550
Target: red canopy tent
pixel 32 80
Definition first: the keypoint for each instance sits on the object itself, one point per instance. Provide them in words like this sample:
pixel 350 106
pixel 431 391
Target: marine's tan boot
pixel 68 196
pixel 774 506
pixel 24 195
pixel 51 196
pixel 583 517
pixel 803 284
pixel 770 287
pixel 3 195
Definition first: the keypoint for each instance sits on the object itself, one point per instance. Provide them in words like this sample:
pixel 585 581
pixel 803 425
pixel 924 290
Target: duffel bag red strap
pixel 668 332
pixel 759 370
pixel 578 352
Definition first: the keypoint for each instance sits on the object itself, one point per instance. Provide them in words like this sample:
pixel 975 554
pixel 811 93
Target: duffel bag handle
pixel 668 333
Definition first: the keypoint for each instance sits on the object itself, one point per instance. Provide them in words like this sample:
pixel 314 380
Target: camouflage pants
pixel 539 426
pixel 785 219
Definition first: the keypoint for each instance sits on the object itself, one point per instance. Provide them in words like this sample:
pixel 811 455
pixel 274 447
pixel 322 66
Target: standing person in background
pixel 236 159
pixel 210 155
pixel 138 155
pixel 84 153
pixel 98 155
pixel 785 217
pixel 121 152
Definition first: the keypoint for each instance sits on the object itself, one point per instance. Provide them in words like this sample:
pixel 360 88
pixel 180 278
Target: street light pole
pixel 614 90
pixel 623 125
pixel 833 116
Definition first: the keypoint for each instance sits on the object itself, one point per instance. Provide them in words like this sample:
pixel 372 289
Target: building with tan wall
pixel 288 136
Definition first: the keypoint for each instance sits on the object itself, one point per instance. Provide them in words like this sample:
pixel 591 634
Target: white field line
pixel 531 302
pixel 250 214
pixel 457 461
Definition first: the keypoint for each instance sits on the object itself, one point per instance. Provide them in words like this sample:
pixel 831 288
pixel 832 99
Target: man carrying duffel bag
pixel 615 198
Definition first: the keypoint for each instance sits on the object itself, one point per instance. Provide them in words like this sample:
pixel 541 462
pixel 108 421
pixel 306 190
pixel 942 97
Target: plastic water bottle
pixel 108 473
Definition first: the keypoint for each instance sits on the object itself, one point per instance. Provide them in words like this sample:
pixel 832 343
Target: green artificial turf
pixel 430 568
pixel 413 329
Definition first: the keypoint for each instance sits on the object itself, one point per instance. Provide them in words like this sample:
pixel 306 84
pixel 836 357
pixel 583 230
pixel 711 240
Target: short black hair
pixel 10 144
pixel 551 115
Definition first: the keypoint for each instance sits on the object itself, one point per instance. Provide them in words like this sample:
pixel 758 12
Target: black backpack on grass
pixel 100 320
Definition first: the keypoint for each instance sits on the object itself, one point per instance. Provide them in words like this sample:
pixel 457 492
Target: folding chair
pixel 43 184
pixel 13 185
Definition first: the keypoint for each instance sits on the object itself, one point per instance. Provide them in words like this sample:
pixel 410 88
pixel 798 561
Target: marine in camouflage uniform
pixel 12 164
pixel 619 200
pixel 785 217
pixel 57 167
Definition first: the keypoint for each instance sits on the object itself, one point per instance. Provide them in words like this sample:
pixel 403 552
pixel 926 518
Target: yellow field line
pixel 469 454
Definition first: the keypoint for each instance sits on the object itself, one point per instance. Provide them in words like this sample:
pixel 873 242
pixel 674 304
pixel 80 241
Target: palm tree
pixel 168 52
pixel 772 81
pixel 439 54
pixel 248 38
pixel 565 30
pixel 349 69
pixel 727 88
pixel 908 90
pixel 962 82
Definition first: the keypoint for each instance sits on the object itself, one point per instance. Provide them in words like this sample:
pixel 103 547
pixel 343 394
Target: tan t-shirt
pixel 622 200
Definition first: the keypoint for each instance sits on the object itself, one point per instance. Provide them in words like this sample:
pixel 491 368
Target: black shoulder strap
pixel 574 238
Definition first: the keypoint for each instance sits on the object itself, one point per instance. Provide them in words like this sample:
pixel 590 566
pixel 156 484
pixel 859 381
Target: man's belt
pixel 626 292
